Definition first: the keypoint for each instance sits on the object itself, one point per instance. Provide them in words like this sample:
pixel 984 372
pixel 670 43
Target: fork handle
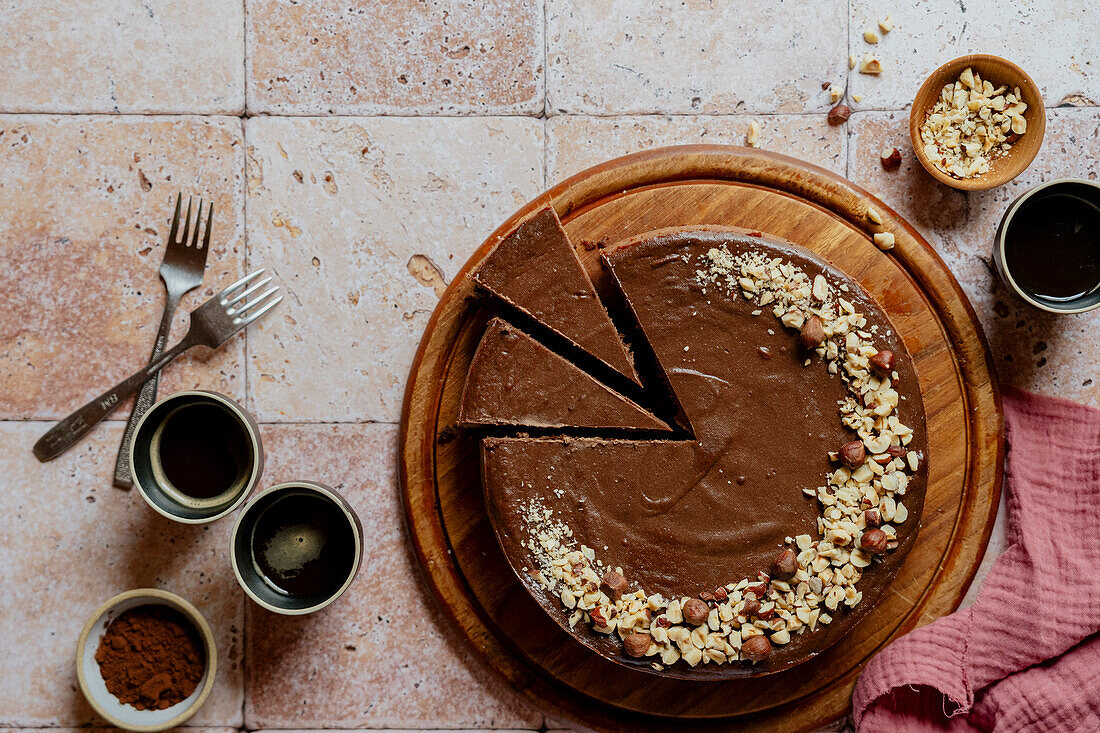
pixel 66 433
pixel 146 397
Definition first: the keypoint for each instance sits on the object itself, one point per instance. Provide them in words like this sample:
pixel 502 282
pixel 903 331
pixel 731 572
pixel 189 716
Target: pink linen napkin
pixel 1026 655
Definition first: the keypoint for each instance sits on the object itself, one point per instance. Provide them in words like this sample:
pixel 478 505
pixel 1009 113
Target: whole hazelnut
pixel 872 518
pixel 839 114
pixel 721 594
pixel 751 607
pixel 613 585
pixel 695 612
pixel 882 363
pixel 891 159
pixel 853 454
pixel 785 564
pixel 756 648
pixel 874 541
pixel 813 333
pixel 636 645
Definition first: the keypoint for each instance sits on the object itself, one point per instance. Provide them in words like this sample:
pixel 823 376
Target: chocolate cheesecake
pixel 516 381
pixel 762 539
pixel 536 270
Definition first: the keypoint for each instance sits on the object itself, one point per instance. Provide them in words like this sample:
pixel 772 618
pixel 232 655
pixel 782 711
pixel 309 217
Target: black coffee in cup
pixel 296 547
pixel 195 456
pixel 303 545
pixel 1049 246
pixel 203 449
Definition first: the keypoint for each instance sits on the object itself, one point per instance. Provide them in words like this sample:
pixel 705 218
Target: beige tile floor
pixel 361 150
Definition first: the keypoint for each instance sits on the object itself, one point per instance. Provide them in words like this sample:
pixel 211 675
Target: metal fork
pixel 181 271
pixel 212 323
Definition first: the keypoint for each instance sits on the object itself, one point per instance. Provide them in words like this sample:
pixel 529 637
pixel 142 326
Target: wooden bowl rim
pixel 1017 163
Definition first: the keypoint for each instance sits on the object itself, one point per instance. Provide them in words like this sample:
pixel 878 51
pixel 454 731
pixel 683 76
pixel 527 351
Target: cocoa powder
pixel 151 657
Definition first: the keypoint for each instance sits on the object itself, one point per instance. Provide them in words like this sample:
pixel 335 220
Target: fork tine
pixel 251 303
pixel 176 218
pixel 186 222
pixel 253 316
pixel 209 219
pixel 198 218
pixel 253 288
pixel 240 283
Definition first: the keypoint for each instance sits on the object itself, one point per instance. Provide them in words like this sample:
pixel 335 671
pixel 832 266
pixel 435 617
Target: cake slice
pixel 516 381
pixel 536 269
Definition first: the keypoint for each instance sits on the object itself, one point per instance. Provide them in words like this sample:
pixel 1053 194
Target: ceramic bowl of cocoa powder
pixel 146 660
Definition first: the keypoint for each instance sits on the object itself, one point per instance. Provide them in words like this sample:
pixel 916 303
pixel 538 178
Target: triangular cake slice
pixel 537 270
pixel 516 381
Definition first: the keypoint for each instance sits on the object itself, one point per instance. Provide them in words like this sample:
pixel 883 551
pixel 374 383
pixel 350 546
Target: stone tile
pixel 188 729
pixel 123 56
pixel 932 207
pixel 85 207
pixel 364 220
pixel 406 57
pixel 1034 350
pixel 622 57
pixel 1055 43
pixel 380 656
pixel 574 143
pixel 71 541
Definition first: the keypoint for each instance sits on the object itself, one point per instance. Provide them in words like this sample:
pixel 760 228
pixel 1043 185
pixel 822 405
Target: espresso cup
pixel 1047 247
pixel 296 547
pixel 196 456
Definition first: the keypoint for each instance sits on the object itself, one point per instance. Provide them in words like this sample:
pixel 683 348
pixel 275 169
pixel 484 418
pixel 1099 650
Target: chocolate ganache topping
pixel 788 512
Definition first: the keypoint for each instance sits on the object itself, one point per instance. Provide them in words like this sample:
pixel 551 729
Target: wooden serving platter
pixel 441 483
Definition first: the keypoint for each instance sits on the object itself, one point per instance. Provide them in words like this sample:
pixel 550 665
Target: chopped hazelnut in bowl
pixel 977 122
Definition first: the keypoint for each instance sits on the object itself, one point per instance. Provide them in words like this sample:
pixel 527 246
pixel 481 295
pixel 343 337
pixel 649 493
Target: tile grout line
pixel 485 116
pixel 847 86
pixel 545 60
pixel 247 340
pixel 545 94
pixel 244 55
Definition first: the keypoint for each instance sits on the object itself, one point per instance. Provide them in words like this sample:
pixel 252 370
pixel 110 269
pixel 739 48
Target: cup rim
pixel 253 436
pixel 1002 229
pixel 353 520
pixel 192 614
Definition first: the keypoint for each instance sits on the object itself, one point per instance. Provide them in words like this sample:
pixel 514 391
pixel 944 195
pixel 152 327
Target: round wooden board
pixel 441 483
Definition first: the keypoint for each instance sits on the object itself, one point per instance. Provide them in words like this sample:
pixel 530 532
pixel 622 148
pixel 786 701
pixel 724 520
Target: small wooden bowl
pixel 998 71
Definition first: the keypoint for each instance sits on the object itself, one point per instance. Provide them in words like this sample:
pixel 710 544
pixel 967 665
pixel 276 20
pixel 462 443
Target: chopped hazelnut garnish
pixel 870 65
pixel 752 139
pixel 884 240
pixel 971 125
